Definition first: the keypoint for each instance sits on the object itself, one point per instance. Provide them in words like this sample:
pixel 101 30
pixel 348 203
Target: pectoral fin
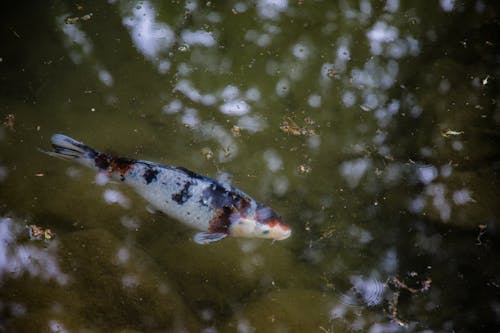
pixel 206 237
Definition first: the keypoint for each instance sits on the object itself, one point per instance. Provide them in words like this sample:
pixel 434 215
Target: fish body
pixel 216 209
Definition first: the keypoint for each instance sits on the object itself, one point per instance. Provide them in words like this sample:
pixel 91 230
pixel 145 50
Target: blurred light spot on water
pixel 327 71
pixel 280 185
pixel 446 170
pixel 380 34
pixel 416 205
pixel 370 288
pixel 214 17
pixel 480 6
pixel 130 281
pixel 314 101
pixel 390 261
pixel 122 255
pixel 235 108
pixel 314 142
pixel 73 172
pixel 248 246
pixel 207 314
pixel 76 41
pixel 164 66
pixel 164 289
pixel 397 49
pixel 339 311
pixel 208 99
pixel 173 107
pixel 282 87
pixel 263 40
pixel 191 6
pixel 392 173
pixel 343 53
pixel 462 197
pixel 273 160
pixel 426 151
pixel 252 123
pixel 253 94
pixel 361 235
pixel 185 87
pixel 150 37
pixel 348 98
pixel 447 5
pixel 240 7
pixel 243 326
pixel 429 243
pixel 130 223
pixel 457 145
pixel 444 86
pixel 16 260
pixel 105 77
pixel 16 309
pixel 367 291
pixel 370 100
pixel 190 117
pixel 101 178
pixel 427 173
pixel 210 330
pixel 57 327
pixel 353 170
pixel 385 328
pixel 391 5
pixel 271 9
pixel 300 51
pixel 198 37
pixel 4 172
pixel 329 28
pixel 184 69
pixel 230 93
pixel 114 196
pixel 437 192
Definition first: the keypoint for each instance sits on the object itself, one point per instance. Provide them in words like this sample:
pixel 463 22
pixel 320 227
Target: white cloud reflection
pixel 17 259
pixel 151 37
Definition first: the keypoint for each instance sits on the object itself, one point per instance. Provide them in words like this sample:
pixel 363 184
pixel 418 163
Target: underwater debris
pixel 76 19
pixel 449 132
pixel 236 131
pixel 39 233
pixel 10 121
pixel 400 285
pixel 207 153
pixel 305 169
pixel 289 126
pixel 482 231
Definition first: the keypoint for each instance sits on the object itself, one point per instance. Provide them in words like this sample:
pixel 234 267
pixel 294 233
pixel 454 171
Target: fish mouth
pixel 286 233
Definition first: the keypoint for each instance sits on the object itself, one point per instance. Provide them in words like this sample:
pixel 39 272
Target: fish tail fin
pixel 70 149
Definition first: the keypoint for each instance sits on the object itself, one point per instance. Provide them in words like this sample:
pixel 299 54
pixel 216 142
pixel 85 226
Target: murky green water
pixel 371 126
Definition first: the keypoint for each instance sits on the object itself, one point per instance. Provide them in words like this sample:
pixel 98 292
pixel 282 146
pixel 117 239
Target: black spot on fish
pixel 150 175
pixel 222 221
pixel 184 194
pixel 102 161
pixel 220 197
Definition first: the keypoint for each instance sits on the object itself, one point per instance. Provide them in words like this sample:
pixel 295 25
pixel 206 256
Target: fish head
pixel 264 223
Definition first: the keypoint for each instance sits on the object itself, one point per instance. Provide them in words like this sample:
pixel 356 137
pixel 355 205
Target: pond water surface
pixel 371 126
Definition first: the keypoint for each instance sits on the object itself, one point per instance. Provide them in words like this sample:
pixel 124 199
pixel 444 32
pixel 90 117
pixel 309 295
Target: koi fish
pixel 217 209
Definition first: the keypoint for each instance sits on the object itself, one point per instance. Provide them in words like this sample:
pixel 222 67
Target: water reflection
pixel 17 259
pixel 394 176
